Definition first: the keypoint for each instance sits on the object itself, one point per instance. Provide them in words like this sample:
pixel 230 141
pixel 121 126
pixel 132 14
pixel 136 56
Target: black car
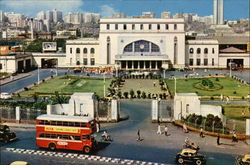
pixel 190 156
pixel 6 135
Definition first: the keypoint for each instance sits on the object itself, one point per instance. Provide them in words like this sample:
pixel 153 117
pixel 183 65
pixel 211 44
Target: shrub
pixel 160 95
pixel 242 97
pixel 211 98
pixel 164 95
pixel 119 94
pixel 234 92
pixel 132 93
pixel 143 95
pixel 149 95
pixel 217 79
pixel 125 94
pixel 26 89
pixel 138 93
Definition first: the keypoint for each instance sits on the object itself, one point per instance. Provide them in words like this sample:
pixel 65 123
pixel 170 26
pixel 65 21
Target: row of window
pixel 85 50
pixel 198 51
pixel 142 26
pixel 64 137
pixel 142 46
pixel 198 62
pixel 85 61
pixel 62 123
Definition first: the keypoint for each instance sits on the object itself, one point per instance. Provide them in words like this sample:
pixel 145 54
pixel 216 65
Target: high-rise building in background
pixel 2 16
pixel 57 16
pixel 148 14
pixel 119 15
pixel 52 16
pixel 218 12
pixel 166 14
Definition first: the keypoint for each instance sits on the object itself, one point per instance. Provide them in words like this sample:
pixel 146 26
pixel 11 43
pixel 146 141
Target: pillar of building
pixel 150 65
pixel 154 109
pixel 133 65
pixel 18 114
pixel 156 64
pixel 126 65
pixel 144 67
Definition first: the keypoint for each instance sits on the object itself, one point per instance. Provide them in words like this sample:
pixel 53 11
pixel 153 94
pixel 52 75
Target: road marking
pixel 83 157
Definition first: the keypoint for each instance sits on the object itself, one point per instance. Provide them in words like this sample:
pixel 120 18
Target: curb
pixel 3 83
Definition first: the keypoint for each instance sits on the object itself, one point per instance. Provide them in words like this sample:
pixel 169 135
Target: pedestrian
pixel 97 127
pixel 159 129
pixel 201 133
pixel 154 83
pixel 234 137
pixel 218 139
pixel 138 135
pixel 185 130
pixel 166 130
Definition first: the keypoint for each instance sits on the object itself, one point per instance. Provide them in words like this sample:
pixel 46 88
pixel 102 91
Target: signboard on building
pixel 49 46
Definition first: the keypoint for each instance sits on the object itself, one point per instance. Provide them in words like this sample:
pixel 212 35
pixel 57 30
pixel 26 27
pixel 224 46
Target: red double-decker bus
pixel 65 132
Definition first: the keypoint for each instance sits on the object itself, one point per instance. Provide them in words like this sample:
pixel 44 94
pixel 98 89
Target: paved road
pixel 154 148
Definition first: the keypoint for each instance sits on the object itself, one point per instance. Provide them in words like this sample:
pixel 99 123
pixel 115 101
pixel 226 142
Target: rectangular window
pixel 59 123
pixel 77 138
pixel 191 62
pixel 53 136
pixel 83 124
pixel 85 61
pixel 149 26
pixel 116 26
pixel 212 61
pixel 141 27
pixel 85 137
pixel 108 26
pixel 47 122
pixel 53 122
pixel 41 135
pixel 124 27
pixel 158 26
pixel 205 61
pixel 65 123
pixel 213 50
pixel 133 26
pixel 1 66
pixel 71 124
pixel 198 62
pixel 47 135
pixel 41 122
pixel 166 26
pixel 175 26
pixel 70 50
pixel 92 61
pixel 65 136
pixel 77 124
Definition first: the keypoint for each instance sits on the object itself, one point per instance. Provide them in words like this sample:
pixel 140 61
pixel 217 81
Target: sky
pixel 233 9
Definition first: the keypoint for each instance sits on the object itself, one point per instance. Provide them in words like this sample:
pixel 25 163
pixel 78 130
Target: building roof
pixel 202 41
pixel 83 40
pixel 233 39
pixel 232 50
pixel 140 20
pixel 65 118
pixel 83 94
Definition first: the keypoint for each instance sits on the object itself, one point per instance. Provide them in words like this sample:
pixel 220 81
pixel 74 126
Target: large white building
pixel 148 44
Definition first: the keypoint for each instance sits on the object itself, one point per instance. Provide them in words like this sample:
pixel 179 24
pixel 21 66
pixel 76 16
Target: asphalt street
pixel 154 148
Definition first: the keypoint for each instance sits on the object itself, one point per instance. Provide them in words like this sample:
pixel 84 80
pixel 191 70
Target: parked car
pixel 19 163
pixel 5 95
pixel 243 160
pixel 6 135
pixel 190 156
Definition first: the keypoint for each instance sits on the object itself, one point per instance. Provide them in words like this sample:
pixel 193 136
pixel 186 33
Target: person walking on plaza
pixel 185 130
pixel 218 139
pixel 234 137
pixel 166 130
pixel 138 135
pixel 97 127
pixel 159 129
pixel 201 133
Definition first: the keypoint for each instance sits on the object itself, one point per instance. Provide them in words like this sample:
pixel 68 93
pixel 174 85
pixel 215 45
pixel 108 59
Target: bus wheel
pixel 52 146
pixel 87 149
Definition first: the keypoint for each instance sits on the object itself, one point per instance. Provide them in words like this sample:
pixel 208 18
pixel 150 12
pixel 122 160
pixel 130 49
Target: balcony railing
pixel 142 57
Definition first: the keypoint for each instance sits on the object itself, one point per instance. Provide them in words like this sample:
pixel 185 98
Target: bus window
pixel 77 124
pixel 53 136
pixel 65 123
pixel 59 123
pixel 41 135
pixel 77 137
pixel 85 137
pixel 47 135
pixel 41 122
pixel 71 138
pixel 83 125
pixel 47 122
pixel 72 124
pixel 65 136
pixel 53 122
pixel 59 136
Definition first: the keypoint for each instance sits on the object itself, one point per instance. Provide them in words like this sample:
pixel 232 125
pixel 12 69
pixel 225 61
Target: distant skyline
pixel 233 9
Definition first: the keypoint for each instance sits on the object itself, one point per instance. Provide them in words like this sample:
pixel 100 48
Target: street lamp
pixel 164 72
pixel 230 68
pixel 175 86
pixel 104 87
pixel 38 74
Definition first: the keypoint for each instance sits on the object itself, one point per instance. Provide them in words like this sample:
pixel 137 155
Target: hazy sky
pixel 234 9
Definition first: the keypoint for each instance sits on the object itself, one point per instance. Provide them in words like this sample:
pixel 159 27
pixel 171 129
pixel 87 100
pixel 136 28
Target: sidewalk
pixel 17 125
pixel 14 78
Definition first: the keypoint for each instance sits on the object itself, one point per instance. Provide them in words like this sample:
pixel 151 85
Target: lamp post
pixel 104 87
pixel 230 68
pixel 164 73
pixel 38 75
pixel 175 86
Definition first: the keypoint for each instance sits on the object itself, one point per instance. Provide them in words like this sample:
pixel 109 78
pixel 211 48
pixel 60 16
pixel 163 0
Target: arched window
pixel 92 50
pixel 166 26
pixel 141 26
pixel 191 50
pixel 141 46
pixel 77 62
pixel 124 27
pixel 158 26
pixel 175 26
pixel 149 26
pixel 206 51
pixel 77 50
pixel 85 50
pixel 198 51
pixel 154 48
pixel 129 48
pixel 108 26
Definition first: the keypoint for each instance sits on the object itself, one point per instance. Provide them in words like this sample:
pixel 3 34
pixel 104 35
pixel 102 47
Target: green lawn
pixel 68 86
pixel 230 86
pixel 237 114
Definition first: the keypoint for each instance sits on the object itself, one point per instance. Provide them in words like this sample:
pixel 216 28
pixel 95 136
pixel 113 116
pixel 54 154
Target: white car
pixel 5 95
